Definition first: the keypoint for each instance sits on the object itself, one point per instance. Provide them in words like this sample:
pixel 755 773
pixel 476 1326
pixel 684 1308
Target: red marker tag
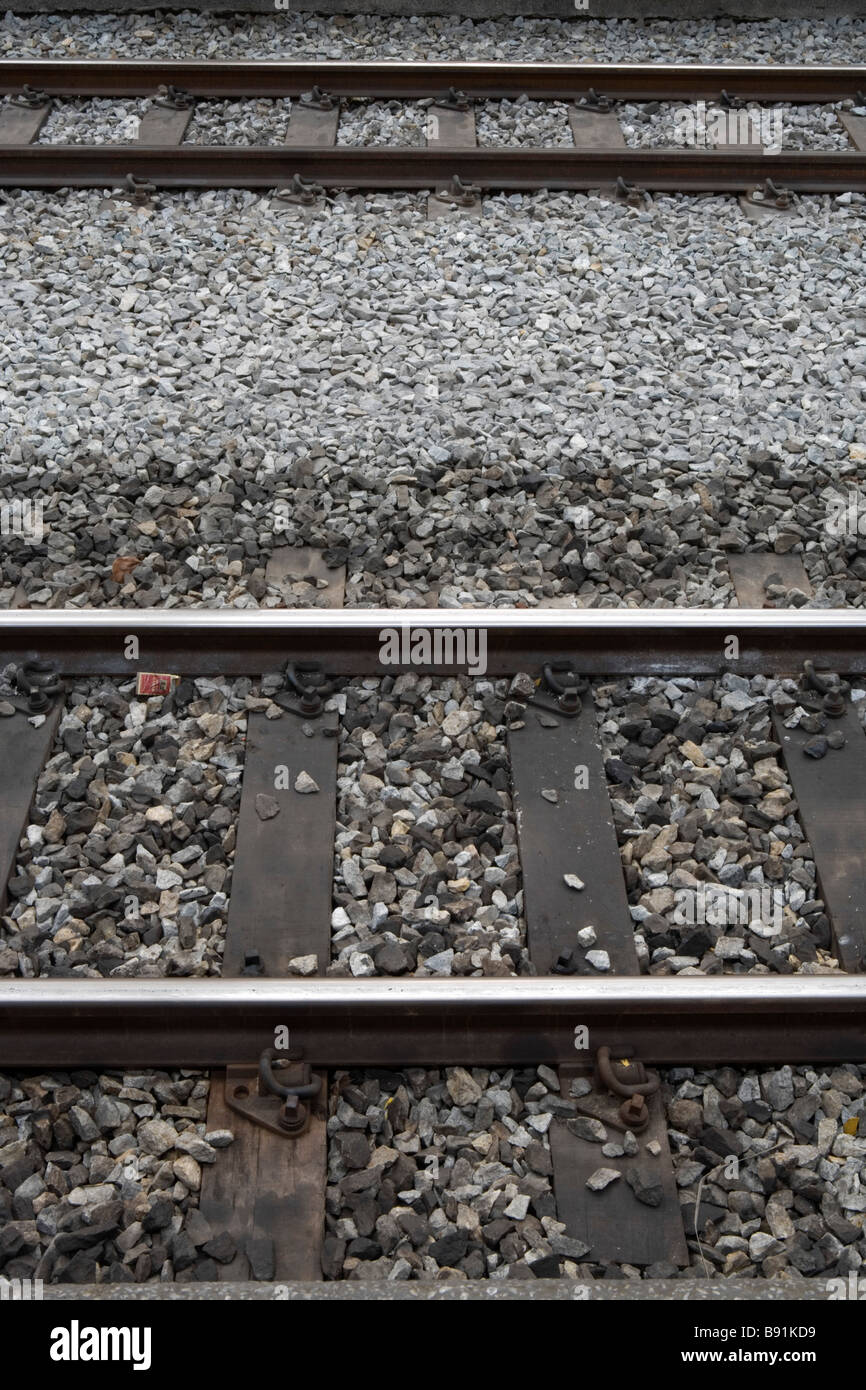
pixel 152 683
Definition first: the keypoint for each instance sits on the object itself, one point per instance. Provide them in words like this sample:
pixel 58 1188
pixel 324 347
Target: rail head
pixel 341 1022
pixel 482 80
pixel 380 641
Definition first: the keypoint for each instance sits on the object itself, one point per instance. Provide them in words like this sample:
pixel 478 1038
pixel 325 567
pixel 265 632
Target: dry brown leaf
pixel 123 567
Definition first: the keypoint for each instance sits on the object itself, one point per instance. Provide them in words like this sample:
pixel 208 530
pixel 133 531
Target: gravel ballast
pixel 427 38
pixel 125 865
pixel 440 1175
pixel 568 401
pixel 100 1178
pixel 514 122
pixel 532 409
pixel 447 1175
pixel 720 874
pixel 775 1162
pixel 431 1175
pixel 427 877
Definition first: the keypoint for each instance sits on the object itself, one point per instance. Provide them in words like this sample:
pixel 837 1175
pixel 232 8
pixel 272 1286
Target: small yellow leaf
pixel 851 1126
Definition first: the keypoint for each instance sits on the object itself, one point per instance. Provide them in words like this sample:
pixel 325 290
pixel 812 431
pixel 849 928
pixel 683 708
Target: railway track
pixel 310 160
pixel 546 1032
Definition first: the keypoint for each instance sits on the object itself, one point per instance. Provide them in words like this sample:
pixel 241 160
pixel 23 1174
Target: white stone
pixel 91 1195
pixel 602 1178
pixel 303 965
pixel 156 1137
pixel 599 960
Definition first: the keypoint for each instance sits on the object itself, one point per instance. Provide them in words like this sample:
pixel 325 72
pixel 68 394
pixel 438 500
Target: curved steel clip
pixel 39 684
pixel 139 188
pixel 300 193
pixel 595 101
pixel 31 97
pixel 260 1097
pixel 458 194
pixel 769 194
pixel 174 98
pixel 454 101
pixel 633 1112
pixel 318 98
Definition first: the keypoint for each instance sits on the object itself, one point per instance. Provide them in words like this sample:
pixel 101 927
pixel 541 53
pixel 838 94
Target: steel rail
pixel 601 641
pixel 406 169
pixel 550 81
pixel 338 1022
